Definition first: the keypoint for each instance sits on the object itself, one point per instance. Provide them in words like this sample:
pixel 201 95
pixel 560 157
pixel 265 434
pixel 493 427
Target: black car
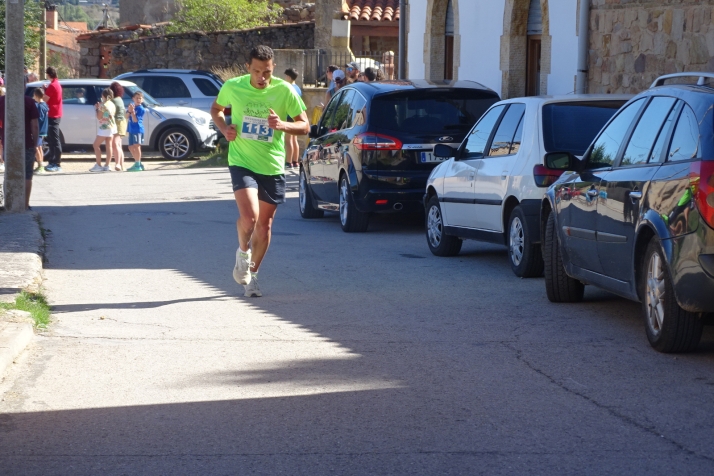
pixel 372 149
pixel 637 215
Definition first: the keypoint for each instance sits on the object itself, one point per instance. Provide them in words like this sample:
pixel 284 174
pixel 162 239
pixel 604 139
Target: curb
pixel 14 337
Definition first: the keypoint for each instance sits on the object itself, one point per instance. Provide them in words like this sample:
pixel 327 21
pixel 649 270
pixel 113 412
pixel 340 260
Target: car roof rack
pixel 700 82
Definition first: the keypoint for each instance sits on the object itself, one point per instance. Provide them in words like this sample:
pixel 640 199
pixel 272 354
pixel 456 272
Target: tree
pixel 216 15
pixel 34 12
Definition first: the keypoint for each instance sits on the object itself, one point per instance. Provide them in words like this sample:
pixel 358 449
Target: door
pixel 625 186
pixel 458 197
pixel 208 93
pixel 491 182
pixel 316 152
pixel 578 207
pixel 79 119
pixel 336 144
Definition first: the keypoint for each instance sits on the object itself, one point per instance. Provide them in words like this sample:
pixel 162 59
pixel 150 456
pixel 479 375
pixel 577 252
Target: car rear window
pixel 429 111
pixel 571 127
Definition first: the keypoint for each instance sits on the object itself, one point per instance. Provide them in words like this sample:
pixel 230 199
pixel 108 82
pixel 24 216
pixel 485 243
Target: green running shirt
pixel 257 147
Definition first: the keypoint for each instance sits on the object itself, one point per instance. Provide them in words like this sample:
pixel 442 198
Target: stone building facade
pixel 632 42
pixel 204 51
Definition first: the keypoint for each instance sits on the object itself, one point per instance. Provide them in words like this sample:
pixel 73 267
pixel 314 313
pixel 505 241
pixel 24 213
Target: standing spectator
pixel 30 77
pixel 331 78
pixel 369 75
pixel 388 65
pixel 120 119
pixel 31 134
pixel 292 148
pixel 135 112
pixel 352 71
pixel 106 128
pixel 42 110
pixel 53 98
pixel 379 75
pixel 339 78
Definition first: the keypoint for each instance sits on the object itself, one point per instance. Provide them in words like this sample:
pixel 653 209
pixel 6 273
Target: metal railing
pixel 317 61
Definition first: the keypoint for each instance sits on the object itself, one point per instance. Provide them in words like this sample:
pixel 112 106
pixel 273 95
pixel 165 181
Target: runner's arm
pixel 219 119
pixel 299 127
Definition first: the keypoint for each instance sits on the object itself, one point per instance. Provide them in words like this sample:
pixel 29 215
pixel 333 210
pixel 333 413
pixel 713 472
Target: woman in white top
pixel 106 128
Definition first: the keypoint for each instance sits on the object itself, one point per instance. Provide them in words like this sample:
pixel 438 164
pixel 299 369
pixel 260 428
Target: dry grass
pixel 228 72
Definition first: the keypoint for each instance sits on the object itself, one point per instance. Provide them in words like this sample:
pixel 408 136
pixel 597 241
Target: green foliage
pixel 33 19
pixel 216 15
pixel 34 303
pixel 71 12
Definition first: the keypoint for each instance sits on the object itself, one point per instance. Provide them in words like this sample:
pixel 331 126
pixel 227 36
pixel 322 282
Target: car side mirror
pixel 313 132
pixel 560 161
pixel 444 151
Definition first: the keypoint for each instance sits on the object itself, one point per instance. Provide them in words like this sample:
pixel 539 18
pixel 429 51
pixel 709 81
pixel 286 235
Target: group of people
pixel 338 78
pixel 114 122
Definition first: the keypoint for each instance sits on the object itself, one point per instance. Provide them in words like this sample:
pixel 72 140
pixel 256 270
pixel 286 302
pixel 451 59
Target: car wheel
pixel 558 285
pixel 307 208
pixel 351 219
pixel 439 242
pixel 669 327
pixel 176 143
pixel 525 257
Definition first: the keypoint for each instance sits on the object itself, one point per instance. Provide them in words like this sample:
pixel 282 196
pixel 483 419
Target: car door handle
pixel 182 103
pixel 472 175
pixel 592 192
pixel 504 175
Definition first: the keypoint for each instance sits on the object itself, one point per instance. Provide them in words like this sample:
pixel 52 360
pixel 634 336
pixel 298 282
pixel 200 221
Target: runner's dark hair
pixel 292 73
pixel 261 53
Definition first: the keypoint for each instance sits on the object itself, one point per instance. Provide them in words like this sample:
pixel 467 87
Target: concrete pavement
pixel 367 355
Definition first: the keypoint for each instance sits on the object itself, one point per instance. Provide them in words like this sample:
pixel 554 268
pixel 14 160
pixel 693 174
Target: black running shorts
pixel 271 188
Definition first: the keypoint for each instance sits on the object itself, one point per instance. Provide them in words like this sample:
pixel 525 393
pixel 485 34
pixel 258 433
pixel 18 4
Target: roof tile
pixel 371 10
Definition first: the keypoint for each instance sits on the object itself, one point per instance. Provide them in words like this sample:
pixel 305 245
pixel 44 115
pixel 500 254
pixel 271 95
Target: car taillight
pixel 545 177
pixel 701 181
pixel 371 141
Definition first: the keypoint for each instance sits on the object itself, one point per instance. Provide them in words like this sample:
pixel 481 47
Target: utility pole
pixel 402 39
pixel 14 125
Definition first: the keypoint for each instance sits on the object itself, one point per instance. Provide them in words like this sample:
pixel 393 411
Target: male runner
pixel 260 104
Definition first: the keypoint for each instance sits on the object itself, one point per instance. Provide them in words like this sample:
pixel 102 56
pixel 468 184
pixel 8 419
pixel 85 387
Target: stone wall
pixel 205 50
pixel 632 42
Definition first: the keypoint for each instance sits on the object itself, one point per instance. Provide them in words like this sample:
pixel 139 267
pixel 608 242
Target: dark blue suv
pixel 635 215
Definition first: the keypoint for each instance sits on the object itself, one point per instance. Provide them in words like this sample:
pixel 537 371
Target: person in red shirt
pixel 32 132
pixel 53 98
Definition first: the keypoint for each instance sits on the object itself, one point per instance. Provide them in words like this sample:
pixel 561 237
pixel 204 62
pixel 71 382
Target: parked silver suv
pixel 178 87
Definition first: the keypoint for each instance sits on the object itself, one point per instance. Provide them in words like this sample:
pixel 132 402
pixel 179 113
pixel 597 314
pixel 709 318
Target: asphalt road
pixel 366 355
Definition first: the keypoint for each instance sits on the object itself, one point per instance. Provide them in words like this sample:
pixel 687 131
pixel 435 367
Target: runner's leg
pixel 262 232
pixel 248 208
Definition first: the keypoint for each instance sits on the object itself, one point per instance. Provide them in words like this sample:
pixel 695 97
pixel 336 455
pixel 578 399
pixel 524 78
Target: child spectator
pixel 292 148
pixel 106 129
pixel 136 130
pixel 120 119
pixel 42 109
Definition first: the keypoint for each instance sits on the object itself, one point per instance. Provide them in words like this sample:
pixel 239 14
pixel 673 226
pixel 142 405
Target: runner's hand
pixel 231 133
pixel 274 121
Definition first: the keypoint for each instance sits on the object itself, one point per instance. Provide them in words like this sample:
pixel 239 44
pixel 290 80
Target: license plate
pixel 427 157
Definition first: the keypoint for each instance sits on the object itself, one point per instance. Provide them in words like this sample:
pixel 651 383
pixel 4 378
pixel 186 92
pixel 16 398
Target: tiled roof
pixel 371 10
pixel 62 38
pixel 75 25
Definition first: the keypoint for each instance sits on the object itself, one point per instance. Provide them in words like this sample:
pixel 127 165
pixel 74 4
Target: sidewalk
pixel 20 268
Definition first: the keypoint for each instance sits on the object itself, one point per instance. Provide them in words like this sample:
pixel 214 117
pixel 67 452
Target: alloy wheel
pixel 516 241
pixel 654 293
pixel 434 226
pixel 176 145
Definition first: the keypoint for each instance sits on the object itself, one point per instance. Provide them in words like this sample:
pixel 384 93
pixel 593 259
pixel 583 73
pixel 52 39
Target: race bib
pixel 256 128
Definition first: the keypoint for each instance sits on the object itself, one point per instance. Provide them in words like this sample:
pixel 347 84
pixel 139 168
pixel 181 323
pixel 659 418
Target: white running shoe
pixel 252 289
pixel 97 168
pixel 241 271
